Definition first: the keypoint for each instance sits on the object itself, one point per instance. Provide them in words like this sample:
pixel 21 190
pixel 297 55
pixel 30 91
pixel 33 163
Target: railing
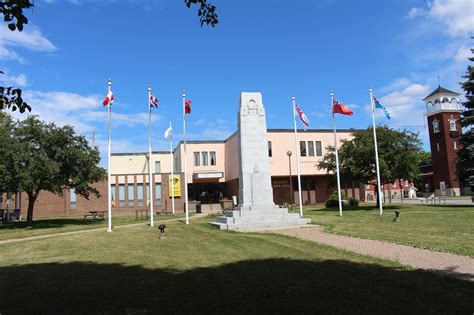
pixel 443 106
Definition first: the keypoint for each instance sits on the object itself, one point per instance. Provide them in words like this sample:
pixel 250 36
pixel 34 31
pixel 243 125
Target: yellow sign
pixel 175 185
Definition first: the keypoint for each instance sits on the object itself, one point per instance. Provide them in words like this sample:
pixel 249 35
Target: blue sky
pixel 64 57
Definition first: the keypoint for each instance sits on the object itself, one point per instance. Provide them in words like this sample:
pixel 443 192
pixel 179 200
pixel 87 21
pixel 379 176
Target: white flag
pixel 168 132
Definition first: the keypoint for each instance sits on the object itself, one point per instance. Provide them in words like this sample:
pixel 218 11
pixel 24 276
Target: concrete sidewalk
pixel 450 264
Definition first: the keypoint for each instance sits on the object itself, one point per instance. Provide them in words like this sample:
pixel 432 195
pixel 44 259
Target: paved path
pixel 23 239
pixel 451 264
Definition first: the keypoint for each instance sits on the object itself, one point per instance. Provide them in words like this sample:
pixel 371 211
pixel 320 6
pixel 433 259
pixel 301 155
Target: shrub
pixel 353 202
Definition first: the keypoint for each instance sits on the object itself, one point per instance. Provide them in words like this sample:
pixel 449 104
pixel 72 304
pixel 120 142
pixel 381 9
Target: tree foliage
pixel 12 10
pixel 206 12
pixel 41 156
pixel 398 155
pixel 465 158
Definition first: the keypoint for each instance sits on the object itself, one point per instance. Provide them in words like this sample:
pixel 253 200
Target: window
pixel 437 146
pixel 204 158
pixel 319 149
pixel 303 148
pixel 435 125
pixel 112 191
pixel 270 153
pixel 452 124
pixel 121 195
pixel 455 145
pixel 213 157
pixel 158 193
pixel 157 166
pixel 310 148
pixel 140 194
pixel 131 195
pixel 73 199
pixel 394 183
pixel 196 159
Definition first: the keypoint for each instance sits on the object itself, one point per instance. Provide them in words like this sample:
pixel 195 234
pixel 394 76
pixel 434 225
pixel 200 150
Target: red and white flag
pixel 304 119
pixel 339 108
pixel 109 99
pixel 153 101
pixel 187 107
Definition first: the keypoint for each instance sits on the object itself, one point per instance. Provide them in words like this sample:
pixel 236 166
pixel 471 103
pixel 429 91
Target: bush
pixel 353 202
pixel 333 201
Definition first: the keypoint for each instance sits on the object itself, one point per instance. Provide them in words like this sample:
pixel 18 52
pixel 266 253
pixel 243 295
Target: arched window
pixel 452 124
pixel 435 125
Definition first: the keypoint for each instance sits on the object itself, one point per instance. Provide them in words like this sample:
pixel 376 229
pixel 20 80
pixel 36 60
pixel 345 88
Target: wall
pixel 284 141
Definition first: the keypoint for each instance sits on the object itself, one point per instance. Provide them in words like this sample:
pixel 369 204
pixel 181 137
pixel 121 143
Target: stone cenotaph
pixel 256 208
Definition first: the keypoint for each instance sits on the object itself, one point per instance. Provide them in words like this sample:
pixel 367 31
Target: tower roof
pixel 441 90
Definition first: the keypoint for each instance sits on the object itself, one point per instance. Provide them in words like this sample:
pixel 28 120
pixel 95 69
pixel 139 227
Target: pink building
pixel 213 166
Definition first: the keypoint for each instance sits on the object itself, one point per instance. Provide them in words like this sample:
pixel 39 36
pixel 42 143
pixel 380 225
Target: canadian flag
pixel 109 99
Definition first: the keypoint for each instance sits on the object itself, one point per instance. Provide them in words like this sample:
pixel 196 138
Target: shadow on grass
pixel 50 223
pixel 252 286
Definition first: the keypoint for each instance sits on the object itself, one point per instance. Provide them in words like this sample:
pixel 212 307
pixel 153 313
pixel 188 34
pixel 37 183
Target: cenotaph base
pixel 256 208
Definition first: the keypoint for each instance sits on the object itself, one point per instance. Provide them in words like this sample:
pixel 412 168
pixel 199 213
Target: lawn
pixel 198 269
pixel 45 226
pixel 442 228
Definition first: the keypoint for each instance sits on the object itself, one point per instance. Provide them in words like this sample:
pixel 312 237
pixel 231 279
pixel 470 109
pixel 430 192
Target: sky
pixel 64 56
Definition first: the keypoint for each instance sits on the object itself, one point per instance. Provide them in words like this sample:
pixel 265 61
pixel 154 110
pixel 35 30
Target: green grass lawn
pixel 198 269
pixel 443 228
pixel 45 226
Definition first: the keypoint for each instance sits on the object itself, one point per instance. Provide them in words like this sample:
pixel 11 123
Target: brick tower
pixel 442 110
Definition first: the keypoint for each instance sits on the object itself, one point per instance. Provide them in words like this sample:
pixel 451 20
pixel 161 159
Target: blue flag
pixel 378 105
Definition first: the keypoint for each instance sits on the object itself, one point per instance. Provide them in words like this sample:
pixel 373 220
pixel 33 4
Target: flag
pixel 304 119
pixel 187 107
pixel 153 101
pixel 382 107
pixel 339 108
pixel 168 132
pixel 109 99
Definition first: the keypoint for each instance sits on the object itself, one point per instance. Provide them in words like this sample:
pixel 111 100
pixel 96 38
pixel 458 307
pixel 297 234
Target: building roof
pixel 441 90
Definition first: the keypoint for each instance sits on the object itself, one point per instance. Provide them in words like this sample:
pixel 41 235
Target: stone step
pixel 247 213
pixel 257 219
pixel 261 225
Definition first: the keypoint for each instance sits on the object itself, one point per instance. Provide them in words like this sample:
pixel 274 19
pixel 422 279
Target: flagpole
pixel 109 180
pixel 185 162
pixel 297 157
pixel 172 167
pixel 150 181
pixel 337 157
pixel 379 192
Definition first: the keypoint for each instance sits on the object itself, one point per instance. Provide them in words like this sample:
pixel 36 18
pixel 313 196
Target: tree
pixel 398 156
pixel 465 157
pixel 41 156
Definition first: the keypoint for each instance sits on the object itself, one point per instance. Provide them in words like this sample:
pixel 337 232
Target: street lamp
pixel 289 153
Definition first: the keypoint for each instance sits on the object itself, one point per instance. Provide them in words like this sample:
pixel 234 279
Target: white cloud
pixel 30 38
pixel 463 54
pixel 456 15
pixel 414 12
pixel 19 80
